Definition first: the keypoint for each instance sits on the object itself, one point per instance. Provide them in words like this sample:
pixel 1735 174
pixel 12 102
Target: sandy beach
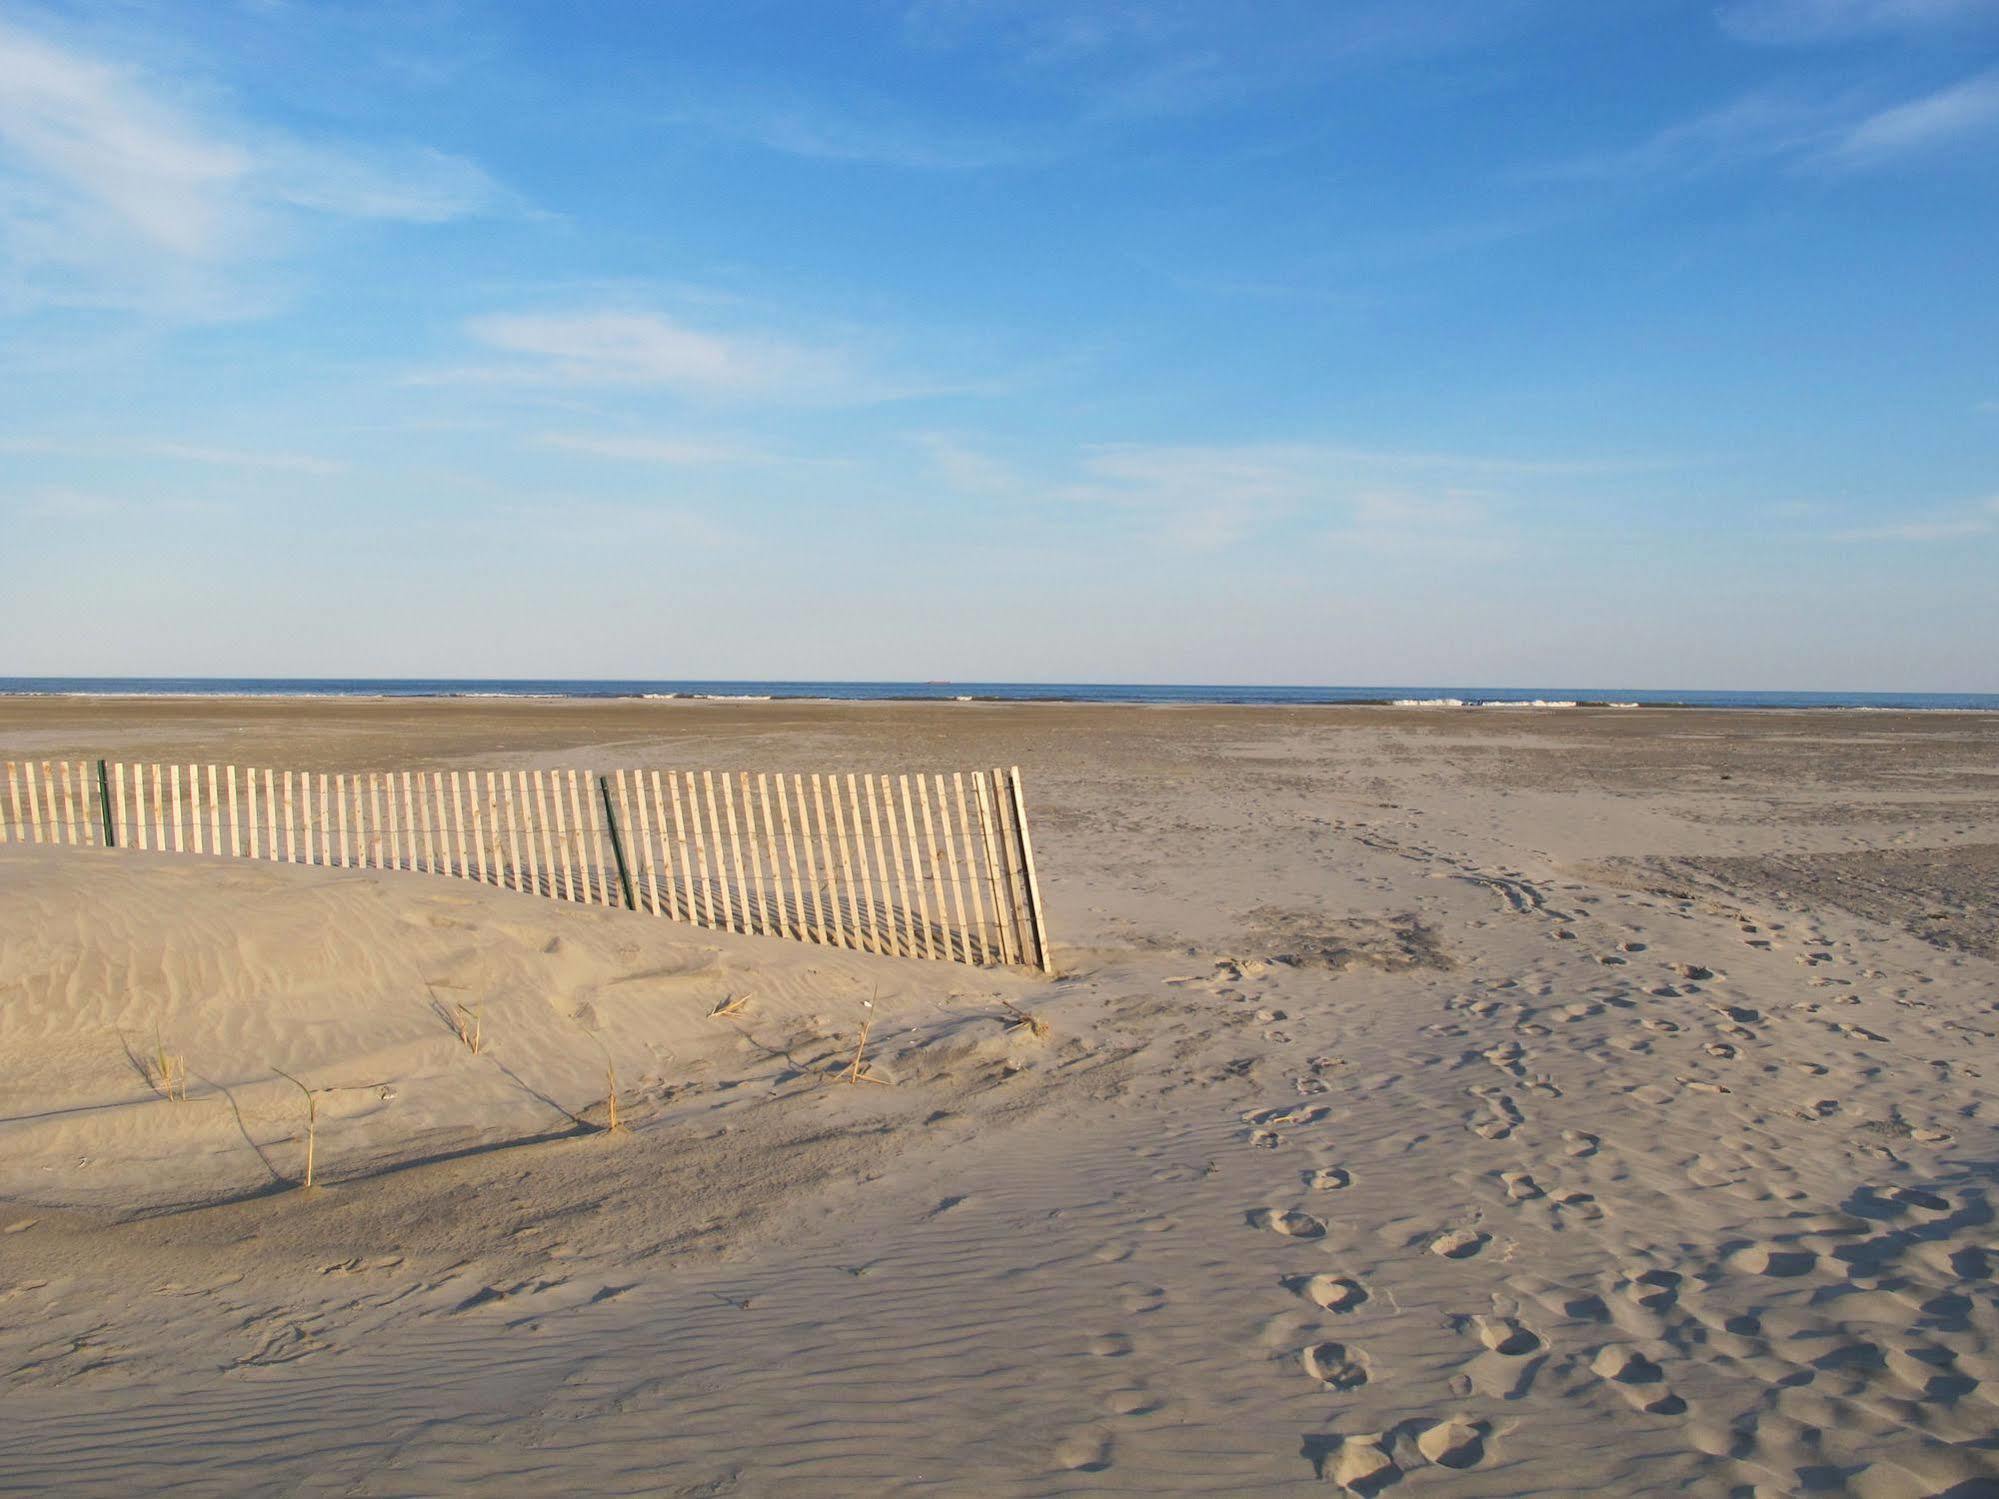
pixel 1450 1102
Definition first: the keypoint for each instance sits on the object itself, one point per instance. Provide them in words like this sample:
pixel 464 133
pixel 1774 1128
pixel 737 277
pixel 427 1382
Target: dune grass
pixel 856 1071
pixel 612 1125
pixel 311 1120
pixel 1040 1029
pixel 169 1071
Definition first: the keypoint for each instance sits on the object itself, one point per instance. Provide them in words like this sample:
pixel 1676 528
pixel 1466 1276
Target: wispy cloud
pixel 115 191
pixel 621 347
pixel 67 505
pixel 636 348
pixel 968 471
pixel 1950 114
pixel 283 463
pixel 62 503
pixel 1976 520
pixel 868 133
pixel 677 452
pixel 1811 22
pixel 1209 496
pixel 217 457
pixel 1123 63
pixel 1076 72
pixel 576 521
pixel 1800 132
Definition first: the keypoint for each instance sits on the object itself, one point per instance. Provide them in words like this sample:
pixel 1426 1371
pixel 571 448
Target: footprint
pixel 1086 1451
pixel 1637 1379
pixel 1110 1345
pixel 1459 1243
pixel 1506 1335
pixel 1336 1365
pixel 1580 1142
pixel 1301 1115
pixel 1328 1178
pixel 1655 1290
pixel 1133 1402
pixel 1359 1464
pixel 1915 1197
pixel 1456 1443
pixel 1292 1223
pixel 1760 1259
pixel 1137 1298
pixel 1336 1293
pixel 359 1266
pixel 1520 1187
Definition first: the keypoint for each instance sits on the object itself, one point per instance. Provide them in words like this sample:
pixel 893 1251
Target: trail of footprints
pixel 1870 1325
pixel 1367 1462
pixel 1832 1361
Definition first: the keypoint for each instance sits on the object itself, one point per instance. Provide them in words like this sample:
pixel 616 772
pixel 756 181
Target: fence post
pixel 104 805
pixel 617 841
pixel 1036 920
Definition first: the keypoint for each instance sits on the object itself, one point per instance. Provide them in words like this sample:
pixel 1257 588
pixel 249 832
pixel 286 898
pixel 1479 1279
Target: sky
pixel 1472 342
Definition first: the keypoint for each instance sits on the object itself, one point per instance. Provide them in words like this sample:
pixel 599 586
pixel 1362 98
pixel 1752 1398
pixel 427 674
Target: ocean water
pixel 1438 697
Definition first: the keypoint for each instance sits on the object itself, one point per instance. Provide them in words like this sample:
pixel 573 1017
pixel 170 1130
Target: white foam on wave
pixel 1429 702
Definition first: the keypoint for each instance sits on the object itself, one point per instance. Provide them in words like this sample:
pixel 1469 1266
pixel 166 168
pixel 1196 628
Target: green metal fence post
pixel 104 805
pixel 617 841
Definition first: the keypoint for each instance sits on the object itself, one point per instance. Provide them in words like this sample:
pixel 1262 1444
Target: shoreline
pixel 1426 705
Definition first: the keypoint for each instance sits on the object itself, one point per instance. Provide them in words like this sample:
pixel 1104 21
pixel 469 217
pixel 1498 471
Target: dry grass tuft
pixel 857 1070
pixel 471 1027
pixel 311 1120
pixel 735 1004
pixel 611 1124
pixel 169 1072
pixel 1040 1029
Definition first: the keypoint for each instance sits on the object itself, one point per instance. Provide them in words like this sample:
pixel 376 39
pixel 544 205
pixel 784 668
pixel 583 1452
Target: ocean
pixel 1440 697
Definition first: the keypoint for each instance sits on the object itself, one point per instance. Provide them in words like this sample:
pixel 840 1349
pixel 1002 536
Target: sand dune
pixel 1477 1107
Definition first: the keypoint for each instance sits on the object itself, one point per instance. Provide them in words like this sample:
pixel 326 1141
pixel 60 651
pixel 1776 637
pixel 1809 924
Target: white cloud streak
pixel 215 457
pixel 1816 22
pixel 1978 520
pixel 628 348
pixel 675 452
pixel 1802 133
pixel 1209 496
pixel 618 347
pixel 861 134
pixel 112 192
pixel 1938 119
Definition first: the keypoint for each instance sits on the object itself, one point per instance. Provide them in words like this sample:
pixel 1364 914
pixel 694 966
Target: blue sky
pixel 1337 341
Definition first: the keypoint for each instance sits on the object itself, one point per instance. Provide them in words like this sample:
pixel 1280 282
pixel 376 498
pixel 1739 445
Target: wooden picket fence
pixel 927 866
